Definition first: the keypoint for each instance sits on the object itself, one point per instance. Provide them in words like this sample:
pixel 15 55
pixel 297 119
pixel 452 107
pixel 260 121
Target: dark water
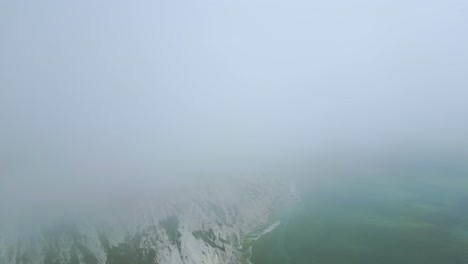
pixel 386 215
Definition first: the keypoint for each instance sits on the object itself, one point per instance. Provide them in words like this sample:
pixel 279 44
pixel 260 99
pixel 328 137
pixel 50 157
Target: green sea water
pixel 391 214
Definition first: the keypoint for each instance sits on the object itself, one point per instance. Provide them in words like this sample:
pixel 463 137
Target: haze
pixel 98 97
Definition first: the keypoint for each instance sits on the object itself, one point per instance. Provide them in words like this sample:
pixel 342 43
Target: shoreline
pixel 274 218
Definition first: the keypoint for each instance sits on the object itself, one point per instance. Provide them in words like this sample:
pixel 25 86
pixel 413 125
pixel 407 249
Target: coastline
pixel 274 220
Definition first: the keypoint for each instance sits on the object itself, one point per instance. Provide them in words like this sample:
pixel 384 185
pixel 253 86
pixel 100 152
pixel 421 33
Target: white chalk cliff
pixel 207 226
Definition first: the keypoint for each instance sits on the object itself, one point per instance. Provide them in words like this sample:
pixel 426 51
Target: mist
pixel 106 98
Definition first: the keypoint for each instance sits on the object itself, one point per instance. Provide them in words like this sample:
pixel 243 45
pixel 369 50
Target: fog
pixel 103 98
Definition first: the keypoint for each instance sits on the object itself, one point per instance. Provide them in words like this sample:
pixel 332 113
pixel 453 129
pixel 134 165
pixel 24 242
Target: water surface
pixel 396 214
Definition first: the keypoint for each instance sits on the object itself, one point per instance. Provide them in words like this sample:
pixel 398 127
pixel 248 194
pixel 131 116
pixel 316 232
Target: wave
pixel 266 230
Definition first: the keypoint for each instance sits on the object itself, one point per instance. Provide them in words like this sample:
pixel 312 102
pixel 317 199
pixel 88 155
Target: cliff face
pixel 206 226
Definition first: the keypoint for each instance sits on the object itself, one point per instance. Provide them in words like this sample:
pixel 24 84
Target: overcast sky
pixel 127 88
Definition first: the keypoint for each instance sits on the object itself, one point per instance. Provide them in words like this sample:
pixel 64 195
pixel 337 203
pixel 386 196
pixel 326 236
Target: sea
pixel 385 212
